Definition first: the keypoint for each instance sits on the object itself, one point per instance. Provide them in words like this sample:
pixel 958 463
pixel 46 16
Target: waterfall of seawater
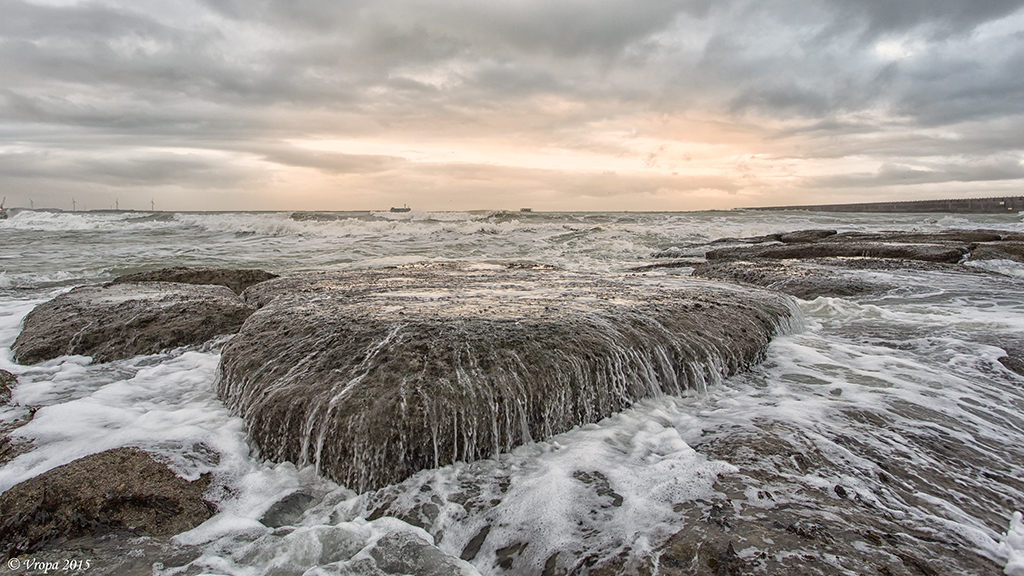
pixel 372 386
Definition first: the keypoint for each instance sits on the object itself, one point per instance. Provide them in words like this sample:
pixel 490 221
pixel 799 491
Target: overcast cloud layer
pixel 566 104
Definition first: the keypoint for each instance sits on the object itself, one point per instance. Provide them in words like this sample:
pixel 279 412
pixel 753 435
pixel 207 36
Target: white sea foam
pixel 1012 545
pixel 12 312
pixel 30 220
pixel 34 280
pixel 1006 267
pixel 924 359
pixel 166 408
pixel 556 499
pixel 604 487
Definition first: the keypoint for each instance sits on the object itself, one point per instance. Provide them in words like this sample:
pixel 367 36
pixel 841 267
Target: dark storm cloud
pixel 894 174
pixel 946 16
pixel 331 53
pixel 403 29
pixel 90 44
pixel 334 162
pixel 957 88
pixel 153 169
pixel 814 60
pixel 818 80
pixel 26 21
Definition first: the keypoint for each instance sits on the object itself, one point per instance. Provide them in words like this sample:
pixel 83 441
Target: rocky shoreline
pixel 812 263
pixel 374 375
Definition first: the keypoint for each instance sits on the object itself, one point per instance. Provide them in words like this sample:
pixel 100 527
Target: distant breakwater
pixel 997 205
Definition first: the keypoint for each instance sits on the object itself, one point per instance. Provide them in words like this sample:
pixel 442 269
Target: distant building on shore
pixel 999 205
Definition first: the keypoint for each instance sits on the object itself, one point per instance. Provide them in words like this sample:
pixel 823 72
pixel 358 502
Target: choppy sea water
pixel 897 403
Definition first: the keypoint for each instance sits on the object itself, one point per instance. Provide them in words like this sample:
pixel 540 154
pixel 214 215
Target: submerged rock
pixel 801 236
pixel 236 280
pixel 943 237
pixel 786 528
pixel 999 251
pixel 123 489
pixel 812 263
pixel 7 382
pixel 9 448
pixel 801 279
pixel 286 511
pixel 375 375
pixel 814 277
pixel 831 249
pixel 944 246
pixel 123 320
pixel 403 553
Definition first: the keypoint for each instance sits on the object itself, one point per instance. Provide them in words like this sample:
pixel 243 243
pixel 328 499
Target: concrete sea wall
pixel 999 205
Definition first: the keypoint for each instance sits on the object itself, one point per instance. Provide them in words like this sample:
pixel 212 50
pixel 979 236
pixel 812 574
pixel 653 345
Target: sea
pixel 899 399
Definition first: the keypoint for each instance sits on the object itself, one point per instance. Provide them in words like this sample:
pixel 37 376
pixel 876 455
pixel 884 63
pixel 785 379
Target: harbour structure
pixel 995 205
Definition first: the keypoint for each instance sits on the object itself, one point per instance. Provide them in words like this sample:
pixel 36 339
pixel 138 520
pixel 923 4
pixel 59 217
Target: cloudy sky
pixel 477 104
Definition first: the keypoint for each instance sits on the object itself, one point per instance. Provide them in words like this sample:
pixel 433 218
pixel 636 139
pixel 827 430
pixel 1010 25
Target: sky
pixel 485 104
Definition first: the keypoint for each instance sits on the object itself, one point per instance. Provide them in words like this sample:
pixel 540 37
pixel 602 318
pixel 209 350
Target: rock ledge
pixel 374 375
pixel 123 320
pixel 123 489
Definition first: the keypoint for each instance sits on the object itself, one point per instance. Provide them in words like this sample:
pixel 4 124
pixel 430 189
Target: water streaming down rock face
pixel 375 375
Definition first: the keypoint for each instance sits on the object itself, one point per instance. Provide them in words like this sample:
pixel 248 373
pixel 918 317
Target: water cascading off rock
pixel 375 375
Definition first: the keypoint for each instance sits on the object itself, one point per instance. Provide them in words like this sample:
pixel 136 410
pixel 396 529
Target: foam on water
pixel 600 489
pixel 287 241
pixel 908 386
pixel 1007 267
pixel 1013 545
pixel 921 369
pixel 679 226
pixel 30 220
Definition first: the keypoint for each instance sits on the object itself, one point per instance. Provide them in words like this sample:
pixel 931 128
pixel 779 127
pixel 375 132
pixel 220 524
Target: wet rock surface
pixel 7 382
pixel 805 280
pixel 286 511
pixel 801 236
pixel 785 509
pixel 112 554
pixel 375 375
pixel 122 491
pixel 812 263
pixel 1014 359
pixel 11 446
pixel 999 251
pixel 769 521
pixel 236 280
pixel 832 249
pixel 123 320
pixel 406 554
pixel 943 237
